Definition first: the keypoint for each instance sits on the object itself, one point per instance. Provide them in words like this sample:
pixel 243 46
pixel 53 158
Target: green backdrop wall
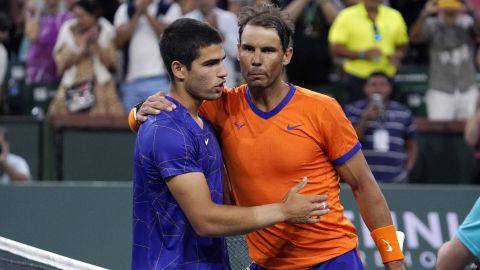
pixel 91 221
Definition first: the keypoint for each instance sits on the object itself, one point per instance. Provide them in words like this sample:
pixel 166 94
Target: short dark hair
pixel 90 6
pixel 268 16
pixel 380 74
pixel 182 39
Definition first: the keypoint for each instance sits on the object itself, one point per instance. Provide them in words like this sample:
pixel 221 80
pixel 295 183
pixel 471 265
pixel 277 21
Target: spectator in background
pixel 85 52
pixel 311 64
pixel 371 37
pixel 471 134
pixel 236 5
pixel 385 129
pixel 225 22
pixel 16 13
pixel 109 7
pixel 450 35
pixel 464 248
pixel 41 29
pixel 13 168
pixel 4 27
pixel 139 27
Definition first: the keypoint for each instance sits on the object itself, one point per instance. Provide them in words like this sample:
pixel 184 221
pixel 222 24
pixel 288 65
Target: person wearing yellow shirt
pixel 370 37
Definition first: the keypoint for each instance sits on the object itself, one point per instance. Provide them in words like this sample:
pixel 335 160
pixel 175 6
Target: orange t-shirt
pixel 268 153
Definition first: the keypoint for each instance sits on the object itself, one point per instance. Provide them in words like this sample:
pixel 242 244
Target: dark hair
pixel 380 74
pixel 267 16
pixel 90 6
pixel 182 39
pixel 4 22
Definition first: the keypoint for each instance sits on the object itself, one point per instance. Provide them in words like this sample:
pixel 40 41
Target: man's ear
pixel 287 56
pixel 178 70
pixel 238 51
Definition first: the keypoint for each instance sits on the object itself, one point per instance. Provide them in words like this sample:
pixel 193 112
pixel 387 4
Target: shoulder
pixel 66 29
pixel 106 25
pixel 167 131
pixel 390 11
pixel 354 10
pixel 315 99
pixel 225 14
pixel 234 95
pixel 122 9
pixel 3 54
pixel 16 160
pixel 121 15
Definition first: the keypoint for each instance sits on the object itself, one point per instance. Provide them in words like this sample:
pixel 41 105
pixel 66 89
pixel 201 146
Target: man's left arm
pixel 373 208
pixel 412 150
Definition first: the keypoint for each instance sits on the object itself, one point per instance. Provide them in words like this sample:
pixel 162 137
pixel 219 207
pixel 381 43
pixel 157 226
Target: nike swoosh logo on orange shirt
pixel 293 127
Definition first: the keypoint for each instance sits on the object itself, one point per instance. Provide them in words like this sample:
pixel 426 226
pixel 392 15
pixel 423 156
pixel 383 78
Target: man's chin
pixel 213 96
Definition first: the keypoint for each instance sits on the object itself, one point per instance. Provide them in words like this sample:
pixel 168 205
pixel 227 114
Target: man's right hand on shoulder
pixel 151 106
pixel 299 208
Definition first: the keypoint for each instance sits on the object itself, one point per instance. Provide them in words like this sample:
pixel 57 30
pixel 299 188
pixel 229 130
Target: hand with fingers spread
pixel 153 105
pixel 299 208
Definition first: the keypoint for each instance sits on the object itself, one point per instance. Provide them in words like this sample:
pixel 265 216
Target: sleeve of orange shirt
pixel 340 140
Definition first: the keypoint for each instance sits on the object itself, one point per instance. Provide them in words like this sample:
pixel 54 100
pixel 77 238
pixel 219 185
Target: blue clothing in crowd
pixel 386 165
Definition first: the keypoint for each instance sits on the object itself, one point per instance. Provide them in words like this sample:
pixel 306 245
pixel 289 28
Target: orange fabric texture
pixel 265 157
pixel 387 243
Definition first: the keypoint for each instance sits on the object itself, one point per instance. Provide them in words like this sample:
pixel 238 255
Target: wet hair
pixel 268 16
pixel 90 6
pixel 182 40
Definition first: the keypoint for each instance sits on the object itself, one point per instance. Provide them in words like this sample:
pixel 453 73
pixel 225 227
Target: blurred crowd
pixel 107 50
pixel 101 58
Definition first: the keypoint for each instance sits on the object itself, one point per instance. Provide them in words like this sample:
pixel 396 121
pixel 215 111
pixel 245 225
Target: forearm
pixel 416 32
pixel 158 26
pixel 107 56
pixel 14 174
pixel 372 206
pixel 471 129
pixel 67 58
pixel 369 198
pixel 295 8
pixel 339 50
pixel 224 220
pixel 361 127
pixel 412 150
pixel 329 10
pixel 125 31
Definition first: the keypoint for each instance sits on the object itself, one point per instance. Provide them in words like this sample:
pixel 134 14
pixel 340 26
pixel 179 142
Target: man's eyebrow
pixel 213 61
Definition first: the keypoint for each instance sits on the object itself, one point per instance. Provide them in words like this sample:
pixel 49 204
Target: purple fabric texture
pixel 40 63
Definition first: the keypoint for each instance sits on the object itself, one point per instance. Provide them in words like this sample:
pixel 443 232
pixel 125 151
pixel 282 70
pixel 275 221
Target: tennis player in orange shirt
pixel 273 134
